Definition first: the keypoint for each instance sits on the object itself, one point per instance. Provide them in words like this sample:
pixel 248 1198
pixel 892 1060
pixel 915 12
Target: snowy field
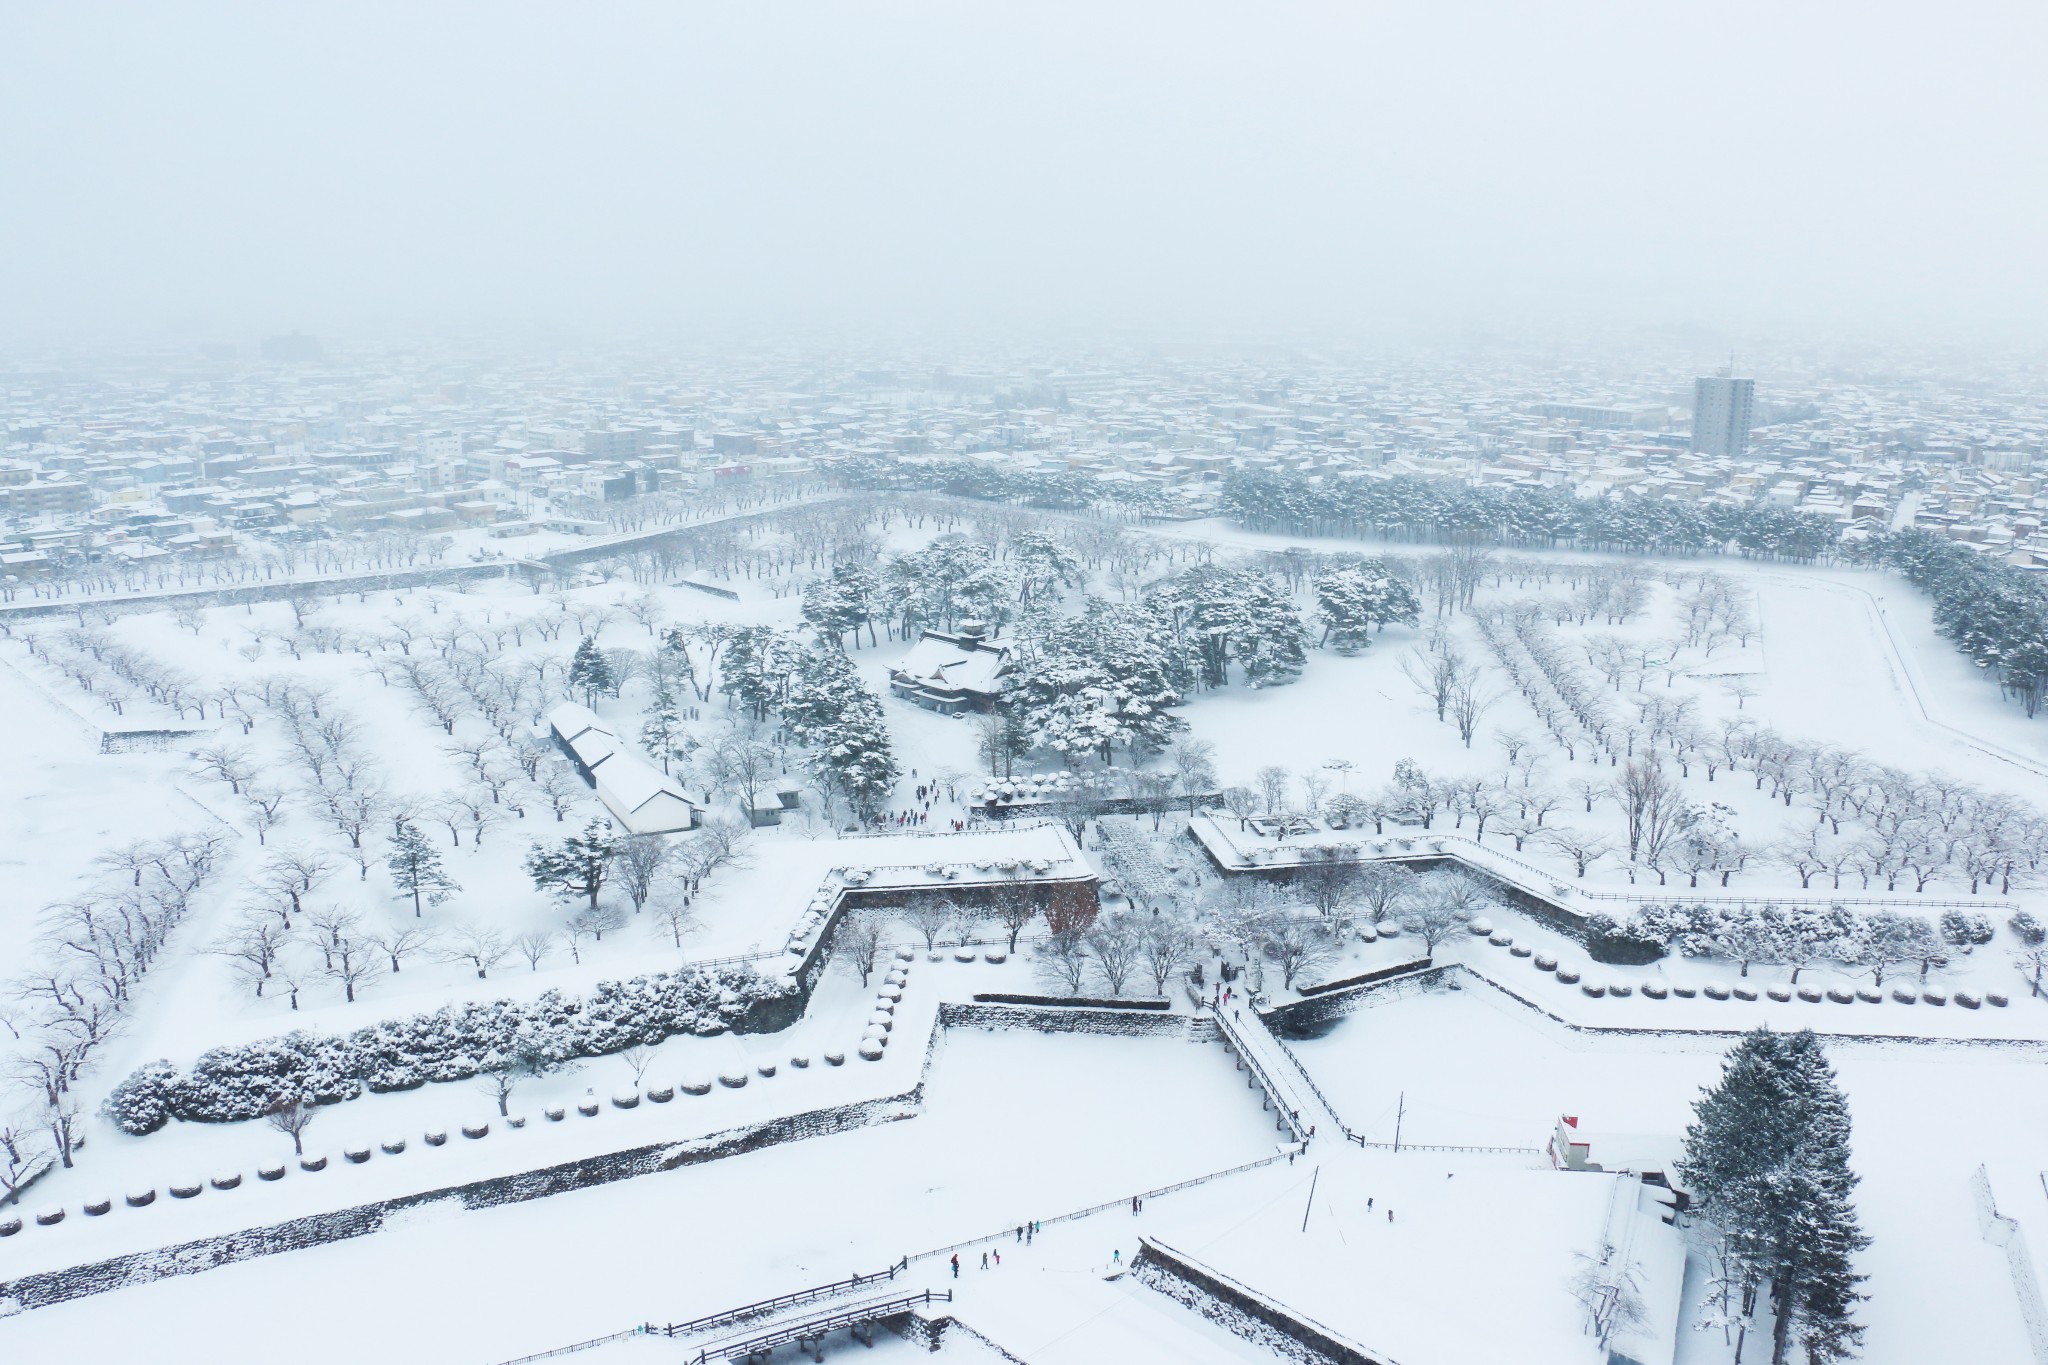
pixel 1015 1125
pixel 1468 1068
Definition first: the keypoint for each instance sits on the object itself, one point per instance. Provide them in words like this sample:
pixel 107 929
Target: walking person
pixel 956 1265
pixel 984 1260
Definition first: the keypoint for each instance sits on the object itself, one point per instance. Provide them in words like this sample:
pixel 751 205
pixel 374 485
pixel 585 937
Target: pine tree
pixel 1352 601
pixel 844 602
pixel 663 730
pixel 1096 681
pixel 1220 616
pixel 416 869
pixel 580 866
pixel 758 663
pixel 1767 1161
pixel 590 672
pixel 833 714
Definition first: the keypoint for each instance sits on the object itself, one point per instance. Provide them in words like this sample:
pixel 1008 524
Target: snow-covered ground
pixel 1470 1068
pixel 1016 1125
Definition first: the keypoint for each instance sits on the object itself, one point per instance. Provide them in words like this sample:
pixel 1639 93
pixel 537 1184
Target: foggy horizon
pixel 1147 173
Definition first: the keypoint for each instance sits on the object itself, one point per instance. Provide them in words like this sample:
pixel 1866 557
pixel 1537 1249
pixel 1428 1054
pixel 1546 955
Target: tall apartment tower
pixel 1720 414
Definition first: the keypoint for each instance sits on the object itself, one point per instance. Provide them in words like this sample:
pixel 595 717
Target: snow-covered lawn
pixel 1017 1127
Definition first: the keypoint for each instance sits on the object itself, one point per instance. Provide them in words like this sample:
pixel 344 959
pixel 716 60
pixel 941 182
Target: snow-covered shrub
pixel 2027 929
pixel 242 1082
pixel 1965 929
pixel 1635 943
pixel 142 1103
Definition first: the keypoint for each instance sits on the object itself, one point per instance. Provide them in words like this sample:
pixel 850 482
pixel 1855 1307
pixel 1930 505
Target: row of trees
pixel 95 950
pixel 1409 507
pixel 1996 614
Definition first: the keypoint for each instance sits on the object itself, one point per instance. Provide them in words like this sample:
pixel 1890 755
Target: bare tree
pixel 931 916
pixel 560 789
pixel 637 1059
pixel 534 946
pixel 1168 949
pixel 717 843
pixel 228 762
pixel 252 945
pixel 1063 958
pixel 1380 886
pixel 1439 905
pixel 266 809
pixel 670 909
pixel 1014 906
pixel 1328 876
pixel 1468 704
pixel 592 922
pixel 1582 848
pixel 1437 674
pixel 292 1117
pixel 1194 768
pixel 402 942
pixel 482 948
pixel 858 941
pixel 1242 802
pixel 638 869
pixel 1273 780
pixel 1115 942
pixel 20 1163
pixel 1298 944
pixel 352 961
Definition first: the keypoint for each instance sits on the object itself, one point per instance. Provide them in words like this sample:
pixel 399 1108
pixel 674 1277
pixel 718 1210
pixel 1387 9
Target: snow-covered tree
pixel 1217 616
pixel 1767 1160
pixel 835 716
pixel 662 733
pixel 591 672
pixel 579 866
pixel 1097 682
pixel 1356 600
pixel 843 603
pixel 416 869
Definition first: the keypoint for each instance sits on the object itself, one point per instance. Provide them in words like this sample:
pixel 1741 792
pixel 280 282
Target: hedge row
pixel 454 1043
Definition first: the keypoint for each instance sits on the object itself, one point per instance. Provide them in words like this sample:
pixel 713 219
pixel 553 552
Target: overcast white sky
pixel 1240 169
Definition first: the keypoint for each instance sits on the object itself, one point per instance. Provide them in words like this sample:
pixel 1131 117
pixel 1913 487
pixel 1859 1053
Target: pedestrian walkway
pixel 1301 1109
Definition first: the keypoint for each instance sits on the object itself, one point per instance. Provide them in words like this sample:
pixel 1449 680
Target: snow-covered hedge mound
pixel 450 1044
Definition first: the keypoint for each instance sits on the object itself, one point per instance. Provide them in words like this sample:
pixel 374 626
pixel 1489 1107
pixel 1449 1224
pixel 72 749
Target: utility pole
pixel 1399 1114
pixel 1315 1176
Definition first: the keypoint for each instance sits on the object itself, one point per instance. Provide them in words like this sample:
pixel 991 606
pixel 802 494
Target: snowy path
pixel 1850 681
